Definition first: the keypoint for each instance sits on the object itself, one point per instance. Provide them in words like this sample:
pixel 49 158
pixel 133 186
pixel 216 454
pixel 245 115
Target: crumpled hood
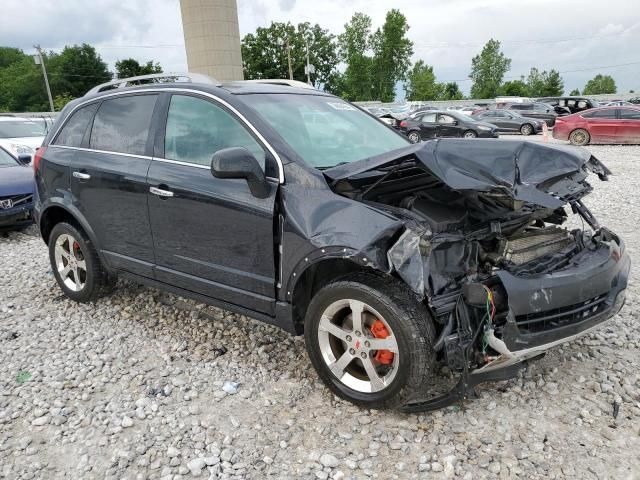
pixel 16 180
pixel 516 168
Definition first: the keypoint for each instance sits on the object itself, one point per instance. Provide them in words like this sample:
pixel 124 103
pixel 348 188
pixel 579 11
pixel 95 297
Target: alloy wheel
pixel 414 137
pixel 358 346
pixel 470 135
pixel 70 262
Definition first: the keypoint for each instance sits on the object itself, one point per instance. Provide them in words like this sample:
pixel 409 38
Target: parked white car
pixel 21 136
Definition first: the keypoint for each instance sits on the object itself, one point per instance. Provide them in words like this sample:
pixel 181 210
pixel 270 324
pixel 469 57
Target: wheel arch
pixel 57 212
pixel 307 280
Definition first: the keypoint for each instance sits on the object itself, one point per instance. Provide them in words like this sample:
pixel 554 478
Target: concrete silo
pixel 212 38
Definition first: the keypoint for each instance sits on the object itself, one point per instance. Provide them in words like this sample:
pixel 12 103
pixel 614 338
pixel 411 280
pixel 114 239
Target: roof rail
pixel 282 81
pixel 170 77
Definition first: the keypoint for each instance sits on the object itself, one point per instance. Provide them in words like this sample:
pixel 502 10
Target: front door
pixel 210 235
pixel 448 126
pixel 109 180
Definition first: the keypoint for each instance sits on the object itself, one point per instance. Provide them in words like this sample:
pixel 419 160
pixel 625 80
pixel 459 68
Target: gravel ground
pixel 144 384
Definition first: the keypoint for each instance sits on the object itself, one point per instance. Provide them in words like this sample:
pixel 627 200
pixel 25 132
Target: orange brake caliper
pixel 384 357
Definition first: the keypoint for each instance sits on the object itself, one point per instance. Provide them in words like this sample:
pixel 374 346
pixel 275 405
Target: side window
pixel 445 119
pixel 609 113
pixel 429 118
pixel 197 128
pixel 629 114
pixel 122 124
pixel 75 128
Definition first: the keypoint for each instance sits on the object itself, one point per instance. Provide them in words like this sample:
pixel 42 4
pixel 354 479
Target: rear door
pixel 428 126
pixel 628 129
pixel 602 125
pixel 109 176
pixel 210 235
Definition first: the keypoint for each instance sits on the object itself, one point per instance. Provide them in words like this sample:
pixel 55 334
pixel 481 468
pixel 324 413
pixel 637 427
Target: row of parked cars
pixel 577 119
pixel 19 138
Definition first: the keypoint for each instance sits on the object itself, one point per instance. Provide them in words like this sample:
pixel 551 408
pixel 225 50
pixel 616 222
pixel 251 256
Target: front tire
pixel 370 340
pixel 75 264
pixel 470 134
pixel 414 137
pixel 579 137
pixel 526 129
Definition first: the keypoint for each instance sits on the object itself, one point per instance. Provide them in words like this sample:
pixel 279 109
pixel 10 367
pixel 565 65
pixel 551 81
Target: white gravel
pixel 137 385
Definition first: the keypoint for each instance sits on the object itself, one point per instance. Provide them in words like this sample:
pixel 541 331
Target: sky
pixel 579 38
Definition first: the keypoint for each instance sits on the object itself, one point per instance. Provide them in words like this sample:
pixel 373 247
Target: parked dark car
pixel 635 100
pixel 16 191
pixel 570 104
pixel 393 259
pixel 509 121
pixel 600 125
pixel 539 111
pixel 441 124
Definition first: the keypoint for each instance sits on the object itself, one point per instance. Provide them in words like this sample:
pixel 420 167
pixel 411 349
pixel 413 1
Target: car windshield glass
pixel 325 131
pixel 17 128
pixel 6 160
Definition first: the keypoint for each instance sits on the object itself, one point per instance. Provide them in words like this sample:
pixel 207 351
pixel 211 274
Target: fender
pixel 327 253
pixel 66 204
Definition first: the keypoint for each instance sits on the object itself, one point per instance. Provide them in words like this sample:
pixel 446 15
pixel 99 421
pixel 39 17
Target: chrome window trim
pixel 144 157
pixel 215 98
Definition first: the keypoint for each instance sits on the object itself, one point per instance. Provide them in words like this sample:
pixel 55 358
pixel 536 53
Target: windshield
pixel 7 160
pixel 19 128
pixel 325 131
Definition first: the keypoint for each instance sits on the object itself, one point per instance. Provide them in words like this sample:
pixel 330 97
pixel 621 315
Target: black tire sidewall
pixel 526 129
pixel 412 133
pixel 91 284
pixel 409 342
pixel 587 137
pixel 475 134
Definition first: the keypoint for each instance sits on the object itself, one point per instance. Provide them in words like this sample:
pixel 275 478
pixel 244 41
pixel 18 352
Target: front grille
pixel 560 317
pixel 18 200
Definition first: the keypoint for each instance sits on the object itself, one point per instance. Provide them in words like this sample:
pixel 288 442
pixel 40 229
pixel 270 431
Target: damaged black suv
pixel 294 207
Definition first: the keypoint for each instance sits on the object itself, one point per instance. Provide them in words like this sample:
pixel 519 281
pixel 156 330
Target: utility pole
pixel 40 60
pixel 306 42
pixel 289 57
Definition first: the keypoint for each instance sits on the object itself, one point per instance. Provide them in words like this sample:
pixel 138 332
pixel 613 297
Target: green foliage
pixel 514 88
pixel 392 52
pixel 452 92
pixel 264 54
pixel 76 70
pixel 129 67
pixel 353 47
pixel 487 70
pixel 575 92
pixel 59 101
pixel 422 84
pixel 544 84
pixel 600 84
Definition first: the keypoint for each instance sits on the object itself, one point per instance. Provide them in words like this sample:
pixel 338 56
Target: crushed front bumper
pixel 549 309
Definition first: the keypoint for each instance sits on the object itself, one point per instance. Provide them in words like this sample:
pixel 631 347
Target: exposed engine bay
pixel 484 235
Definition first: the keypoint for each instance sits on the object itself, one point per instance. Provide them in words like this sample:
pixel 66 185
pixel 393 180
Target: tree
pixel 600 84
pixel 514 88
pixel 452 92
pixel 488 69
pixel 76 70
pixel 59 101
pixel 392 52
pixel 353 47
pixel 264 53
pixel 544 84
pixel 130 67
pixel 422 83
pixel 575 92
pixel 554 85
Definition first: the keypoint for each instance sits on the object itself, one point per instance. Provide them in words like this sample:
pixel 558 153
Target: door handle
pixel 81 176
pixel 161 193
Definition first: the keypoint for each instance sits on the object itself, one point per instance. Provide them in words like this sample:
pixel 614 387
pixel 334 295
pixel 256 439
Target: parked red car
pixel 600 125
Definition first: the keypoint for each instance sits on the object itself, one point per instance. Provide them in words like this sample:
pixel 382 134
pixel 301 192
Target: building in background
pixel 212 38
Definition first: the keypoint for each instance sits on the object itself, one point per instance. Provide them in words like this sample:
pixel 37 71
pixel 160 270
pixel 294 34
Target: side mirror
pixel 238 162
pixel 455 122
pixel 24 158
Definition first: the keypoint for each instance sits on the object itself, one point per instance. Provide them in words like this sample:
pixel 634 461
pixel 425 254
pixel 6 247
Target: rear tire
pixel 580 137
pixel 470 134
pixel 341 340
pixel 414 137
pixel 76 265
pixel 526 129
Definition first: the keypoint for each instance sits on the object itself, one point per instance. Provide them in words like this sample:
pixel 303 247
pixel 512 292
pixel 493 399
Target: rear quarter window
pixel 74 129
pixel 122 124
